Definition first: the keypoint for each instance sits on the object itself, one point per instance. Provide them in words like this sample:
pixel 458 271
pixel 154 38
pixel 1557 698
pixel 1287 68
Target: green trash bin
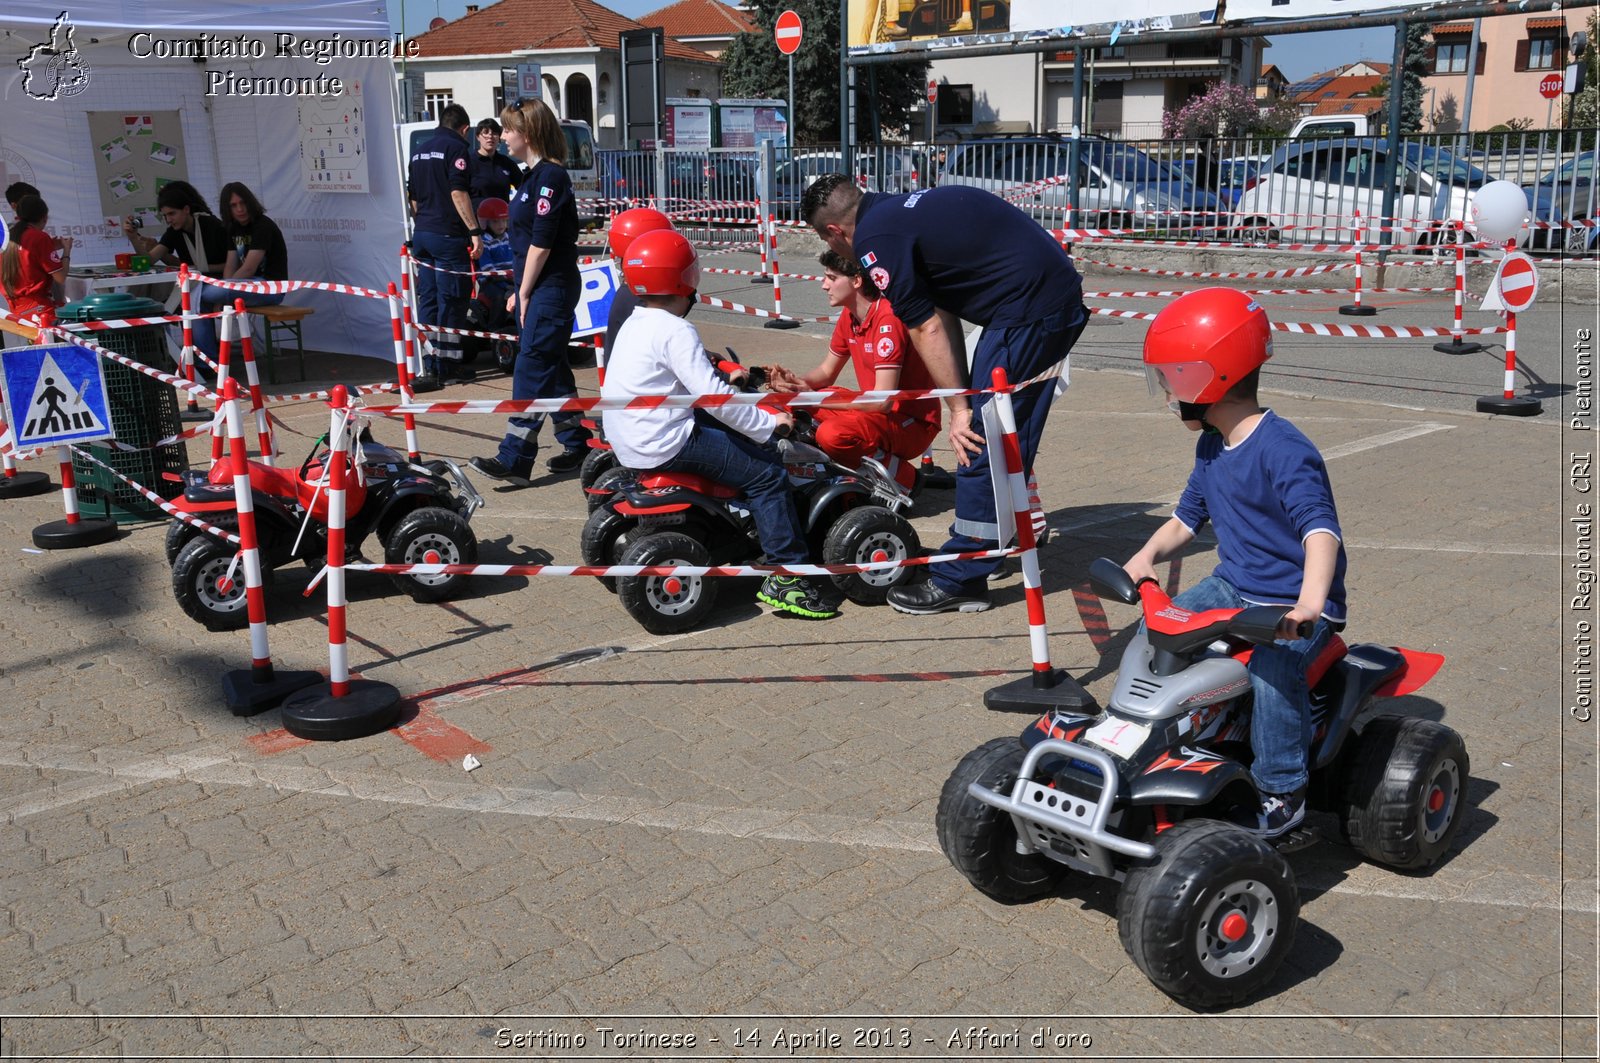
pixel 143 410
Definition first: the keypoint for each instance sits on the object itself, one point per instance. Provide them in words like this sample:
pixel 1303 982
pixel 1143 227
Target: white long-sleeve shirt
pixel 659 353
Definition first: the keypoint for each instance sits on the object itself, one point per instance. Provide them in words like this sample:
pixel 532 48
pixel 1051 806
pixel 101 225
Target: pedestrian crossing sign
pixel 54 394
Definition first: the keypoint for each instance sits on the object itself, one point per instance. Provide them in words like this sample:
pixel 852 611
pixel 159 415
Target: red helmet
pixel 493 209
pixel 632 224
pixel 661 262
pixel 1204 342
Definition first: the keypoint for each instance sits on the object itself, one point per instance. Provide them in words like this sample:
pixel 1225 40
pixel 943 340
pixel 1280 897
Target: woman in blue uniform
pixel 544 245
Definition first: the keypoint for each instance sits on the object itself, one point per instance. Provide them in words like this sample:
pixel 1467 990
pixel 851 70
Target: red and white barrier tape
pixel 1261 291
pixel 284 287
pixel 166 378
pixel 129 322
pixel 166 507
pixel 1271 274
pixel 613 571
pixel 723 304
pixel 1317 328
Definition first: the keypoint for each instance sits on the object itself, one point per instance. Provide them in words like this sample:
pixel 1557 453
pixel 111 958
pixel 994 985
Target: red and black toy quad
pixel 419 513
pixel 1140 792
pixel 849 517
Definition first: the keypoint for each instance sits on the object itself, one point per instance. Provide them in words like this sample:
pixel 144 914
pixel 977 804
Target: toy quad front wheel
pixel 980 840
pixel 605 540
pixel 1211 918
pixel 431 535
pixel 595 462
pixel 666 605
pixel 209 587
pixel 1400 804
pixel 606 485
pixel 864 535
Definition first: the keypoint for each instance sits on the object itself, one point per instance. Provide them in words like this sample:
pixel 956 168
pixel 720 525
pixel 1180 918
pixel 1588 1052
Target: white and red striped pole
pixel 224 352
pixel 338 655
pixel 1027 542
pixel 408 312
pixel 777 282
pixel 765 277
pixel 402 370
pixel 1511 355
pixel 69 488
pixel 252 376
pixel 600 358
pixel 249 546
pixel 1355 309
pixel 1456 345
pixel 186 293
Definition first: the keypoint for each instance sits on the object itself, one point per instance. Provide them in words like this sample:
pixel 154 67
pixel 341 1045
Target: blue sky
pixel 1297 56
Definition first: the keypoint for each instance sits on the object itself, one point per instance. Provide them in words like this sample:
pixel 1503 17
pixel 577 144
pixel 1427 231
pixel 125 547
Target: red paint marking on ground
pixel 271 743
pixel 1093 614
pixel 435 737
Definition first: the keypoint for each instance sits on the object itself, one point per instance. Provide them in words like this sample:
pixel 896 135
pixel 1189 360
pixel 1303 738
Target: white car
pixel 1316 191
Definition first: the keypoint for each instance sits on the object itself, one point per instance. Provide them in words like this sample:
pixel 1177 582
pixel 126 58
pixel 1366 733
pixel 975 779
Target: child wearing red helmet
pixel 657 352
pixel 1265 490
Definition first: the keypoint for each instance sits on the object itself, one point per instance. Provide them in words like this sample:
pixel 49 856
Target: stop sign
pixel 787 32
pixel 1519 282
pixel 1550 86
pixel 933 91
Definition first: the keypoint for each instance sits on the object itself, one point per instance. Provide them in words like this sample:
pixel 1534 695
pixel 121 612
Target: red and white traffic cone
pixel 258 403
pixel 1047 687
pixel 262 686
pixel 777 282
pixel 186 285
pixel 932 477
pixel 1456 345
pixel 402 370
pixel 342 707
pixel 1355 309
pixel 761 246
pixel 1509 402
pixel 15 484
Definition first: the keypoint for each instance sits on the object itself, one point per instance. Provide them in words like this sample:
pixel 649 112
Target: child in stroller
pixel 487 311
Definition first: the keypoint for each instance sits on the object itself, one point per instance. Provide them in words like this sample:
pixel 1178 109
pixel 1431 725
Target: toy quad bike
pixel 420 514
pixel 849 517
pixel 1138 792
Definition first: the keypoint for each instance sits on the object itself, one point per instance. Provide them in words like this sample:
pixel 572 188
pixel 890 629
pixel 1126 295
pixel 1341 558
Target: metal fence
pixel 1242 190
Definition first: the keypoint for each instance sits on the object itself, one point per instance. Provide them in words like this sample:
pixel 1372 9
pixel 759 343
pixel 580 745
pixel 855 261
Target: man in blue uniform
pixel 445 239
pixel 942 255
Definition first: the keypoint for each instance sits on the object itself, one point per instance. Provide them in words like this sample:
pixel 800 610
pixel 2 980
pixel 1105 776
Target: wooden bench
pixel 286 319
pixel 17 328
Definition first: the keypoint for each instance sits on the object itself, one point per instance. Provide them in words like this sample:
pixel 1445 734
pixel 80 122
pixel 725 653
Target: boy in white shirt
pixel 657 352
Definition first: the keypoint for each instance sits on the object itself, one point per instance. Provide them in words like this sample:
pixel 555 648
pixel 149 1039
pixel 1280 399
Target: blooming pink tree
pixel 1223 110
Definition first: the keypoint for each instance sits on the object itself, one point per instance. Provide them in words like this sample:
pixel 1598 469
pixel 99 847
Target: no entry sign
pixel 1549 86
pixel 786 31
pixel 933 91
pixel 1518 282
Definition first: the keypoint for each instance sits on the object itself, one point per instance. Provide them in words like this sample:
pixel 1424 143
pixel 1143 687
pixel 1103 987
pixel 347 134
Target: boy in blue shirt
pixel 1264 488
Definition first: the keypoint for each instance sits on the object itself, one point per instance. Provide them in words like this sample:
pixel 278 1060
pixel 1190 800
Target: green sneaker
pixel 797 595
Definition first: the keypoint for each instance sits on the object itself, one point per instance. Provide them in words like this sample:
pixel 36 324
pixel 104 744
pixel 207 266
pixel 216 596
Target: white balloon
pixel 1500 212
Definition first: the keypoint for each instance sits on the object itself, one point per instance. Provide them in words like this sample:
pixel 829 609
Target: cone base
pixel 1026 695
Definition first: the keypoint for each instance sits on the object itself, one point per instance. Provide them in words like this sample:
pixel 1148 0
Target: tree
pixel 1224 109
pixel 1277 120
pixel 1447 119
pixel 753 67
pixel 1586 104
pixel 1413 70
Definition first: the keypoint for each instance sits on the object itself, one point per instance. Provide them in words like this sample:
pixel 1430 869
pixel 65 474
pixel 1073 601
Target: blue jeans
pixel 718 453
pixel 1280 725
pixel 543 372
pixel 213 299
pixel 442 296
pixel 1023 351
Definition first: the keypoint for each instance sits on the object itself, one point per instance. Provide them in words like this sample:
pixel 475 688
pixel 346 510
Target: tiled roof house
pixel 707 25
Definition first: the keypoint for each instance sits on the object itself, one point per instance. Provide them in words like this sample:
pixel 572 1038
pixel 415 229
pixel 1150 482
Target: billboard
pixel 1257 10
pixel 877 26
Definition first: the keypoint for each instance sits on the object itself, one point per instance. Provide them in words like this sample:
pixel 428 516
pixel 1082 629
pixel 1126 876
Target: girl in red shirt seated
pixel 32 263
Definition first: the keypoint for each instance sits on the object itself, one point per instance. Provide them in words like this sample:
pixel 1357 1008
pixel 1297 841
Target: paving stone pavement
pixel 732 829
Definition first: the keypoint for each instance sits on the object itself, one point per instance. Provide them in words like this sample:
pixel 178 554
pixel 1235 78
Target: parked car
pixel 1566 193
pixel 581 168
pixel 1117 184
pixel 884 171
pixel 690 175
pixel 1331 125
pixel 1234 175
pixel 1313 190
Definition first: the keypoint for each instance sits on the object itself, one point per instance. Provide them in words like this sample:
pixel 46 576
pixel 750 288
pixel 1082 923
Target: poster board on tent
pixel 136 153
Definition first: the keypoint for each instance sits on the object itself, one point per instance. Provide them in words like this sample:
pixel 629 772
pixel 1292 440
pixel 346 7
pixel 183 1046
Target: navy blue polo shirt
pixel 438 168
pixel 492 175
pixel 963 250
pixel 544 213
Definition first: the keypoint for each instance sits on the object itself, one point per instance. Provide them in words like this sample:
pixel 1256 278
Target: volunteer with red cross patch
pixel 877 345
pixel 445 240
pixel 544 249
pixel 942 255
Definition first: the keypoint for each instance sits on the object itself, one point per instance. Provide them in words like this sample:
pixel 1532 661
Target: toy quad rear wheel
pixel 1400 804
pixel 864 535
pixel 606 485
pixel 204 588
pixel 666 605
pixel 605 540
pixel 595 462
pixel 1212 917
pixel 980 840
pixel 431 535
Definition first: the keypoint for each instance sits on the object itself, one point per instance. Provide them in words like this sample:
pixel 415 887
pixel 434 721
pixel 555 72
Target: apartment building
pixel 1515 53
